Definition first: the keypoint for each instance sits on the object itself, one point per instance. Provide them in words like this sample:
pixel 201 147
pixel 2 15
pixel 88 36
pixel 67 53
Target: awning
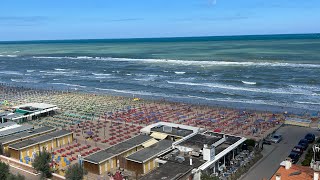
pixel 149 143
pixel 158 135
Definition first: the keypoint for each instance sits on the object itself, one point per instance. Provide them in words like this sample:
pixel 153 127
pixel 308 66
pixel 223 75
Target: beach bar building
pixel 28 111
pixel 199 152
pixel 113 157
pixel 170 131
pixel 21 136
pixel 27 149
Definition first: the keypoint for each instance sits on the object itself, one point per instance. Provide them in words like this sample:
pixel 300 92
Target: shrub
pixel 41 163
pixel 75 172
pixel 250 142
pixel 4 170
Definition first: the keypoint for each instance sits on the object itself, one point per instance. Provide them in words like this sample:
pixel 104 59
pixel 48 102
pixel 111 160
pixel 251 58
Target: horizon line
pixel 163 37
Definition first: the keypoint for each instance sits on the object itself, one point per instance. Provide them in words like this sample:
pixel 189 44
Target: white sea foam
pixel 11 72
pixel 24 81
pixel 192 62
pixel 30 71
pixel 307 102
pixel 100 74
pixel 229 87
pixel 72 85
pixel 60 69
pixel 142 93
pixel 248 82
pixel 8 55
pixel 178 72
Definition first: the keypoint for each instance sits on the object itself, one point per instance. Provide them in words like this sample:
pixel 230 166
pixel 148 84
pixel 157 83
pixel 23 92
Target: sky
pixel 104 19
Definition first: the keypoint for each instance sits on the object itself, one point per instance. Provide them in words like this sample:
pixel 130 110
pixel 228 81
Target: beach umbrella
pixel 89 133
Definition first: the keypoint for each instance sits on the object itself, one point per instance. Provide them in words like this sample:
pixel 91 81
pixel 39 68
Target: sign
pixel 316 150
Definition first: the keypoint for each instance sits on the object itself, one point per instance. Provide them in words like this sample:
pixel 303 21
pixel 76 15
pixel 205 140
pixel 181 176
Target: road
pixel 274 154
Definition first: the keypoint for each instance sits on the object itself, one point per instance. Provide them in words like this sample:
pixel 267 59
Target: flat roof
pixel 15 130
pixel 39 139
pixel 151 151
pixel 25 134
pixel 197 141
pixel 60 133
pixel 4 113
pixel 173 156
pixel 37 105
pixel 168 171
pixel 175 131
pixel 112 151
pixel 6 124
pixel 12 116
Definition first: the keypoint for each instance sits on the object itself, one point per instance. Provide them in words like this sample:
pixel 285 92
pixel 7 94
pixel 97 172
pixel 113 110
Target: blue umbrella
pixel 89 133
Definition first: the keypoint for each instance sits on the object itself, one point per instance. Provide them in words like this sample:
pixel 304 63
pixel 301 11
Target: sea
pixel 261 72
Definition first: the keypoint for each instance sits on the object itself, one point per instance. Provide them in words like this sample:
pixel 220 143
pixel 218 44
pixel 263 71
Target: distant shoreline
pixel 148 99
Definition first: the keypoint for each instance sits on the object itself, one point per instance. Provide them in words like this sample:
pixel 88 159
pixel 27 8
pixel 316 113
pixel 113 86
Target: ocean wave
pixel 8 55
pixel 248 82
pixel 72 85
pixel 11 72
pixel 307 102
pixel 249 101
pixel 60 69
pixel 101 74
pixel 24 81
pixel 191 62
pixel 141 93
pixel 229 87
pixel 179 72
pixel 30 71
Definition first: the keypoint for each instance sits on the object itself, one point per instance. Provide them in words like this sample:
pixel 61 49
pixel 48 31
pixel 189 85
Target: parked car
pixel 294 157
pixel 304 143
pixel 310 137
pixel 266 141
pixel 276 138
pixel 298 149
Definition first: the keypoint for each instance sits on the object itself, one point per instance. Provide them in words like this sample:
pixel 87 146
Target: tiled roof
pixel 296 172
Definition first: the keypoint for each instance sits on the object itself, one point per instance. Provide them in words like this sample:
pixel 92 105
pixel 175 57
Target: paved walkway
pixel 276 153
pixel 26 174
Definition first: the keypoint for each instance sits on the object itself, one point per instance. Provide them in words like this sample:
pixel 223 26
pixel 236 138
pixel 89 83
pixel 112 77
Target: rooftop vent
pixel 167 129
pixel 180 159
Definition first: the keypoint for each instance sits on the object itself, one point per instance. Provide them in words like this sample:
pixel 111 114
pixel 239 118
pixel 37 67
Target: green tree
pixel 41 164
pixel 205 176
pixel 4 170
pixel 15 177
pixel 75 172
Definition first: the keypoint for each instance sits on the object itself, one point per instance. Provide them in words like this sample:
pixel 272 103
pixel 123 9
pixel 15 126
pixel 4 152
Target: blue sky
pixel 86 19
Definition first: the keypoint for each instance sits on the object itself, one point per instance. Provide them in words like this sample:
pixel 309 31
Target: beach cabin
pixel 113 157
pixel 27 149
pixel 21 136
pixel 144 161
